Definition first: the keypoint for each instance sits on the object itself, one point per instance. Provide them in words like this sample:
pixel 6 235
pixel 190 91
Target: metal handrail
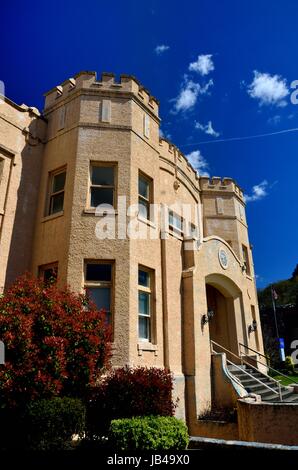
pixel 272 368
pixel 247 373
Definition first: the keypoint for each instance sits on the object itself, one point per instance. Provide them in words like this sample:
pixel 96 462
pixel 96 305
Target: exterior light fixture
pixel 207 317
pixel 253 326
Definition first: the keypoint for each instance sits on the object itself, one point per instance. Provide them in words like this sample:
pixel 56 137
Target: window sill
pixel 173 234
pixel 92 211
pixel 52 216
pixel 146 221
pixel 147 346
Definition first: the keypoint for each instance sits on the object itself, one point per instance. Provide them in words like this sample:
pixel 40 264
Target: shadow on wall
pixel 28 177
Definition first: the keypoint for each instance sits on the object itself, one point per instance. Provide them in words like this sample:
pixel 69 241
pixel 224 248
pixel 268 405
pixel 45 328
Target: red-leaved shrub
pixel 56 343
pixel 128 392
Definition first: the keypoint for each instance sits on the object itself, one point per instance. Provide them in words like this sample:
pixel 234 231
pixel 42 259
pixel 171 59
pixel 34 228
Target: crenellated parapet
pixel 178 161
pixel 107 84
pixel 222 185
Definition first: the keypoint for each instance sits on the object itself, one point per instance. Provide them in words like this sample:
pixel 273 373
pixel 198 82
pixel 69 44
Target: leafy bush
pixel 50 424
pixel 56 342
pixel 148 433
pixel 129 392
pixel 289 365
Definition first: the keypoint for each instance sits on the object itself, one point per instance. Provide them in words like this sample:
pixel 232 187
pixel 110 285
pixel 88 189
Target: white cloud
pixel 208 129
pixel 259 191
pixel 199 162
pixel 161 49
pixel 268 89
pixel 203 65
pixel 189 94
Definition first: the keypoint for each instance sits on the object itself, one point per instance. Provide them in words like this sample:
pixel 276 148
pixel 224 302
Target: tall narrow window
pixel 99 285
pixel 145 196
pixel 56 196
pixel 102 190
pixel 145 285
pixel 246 259
pixel 175 222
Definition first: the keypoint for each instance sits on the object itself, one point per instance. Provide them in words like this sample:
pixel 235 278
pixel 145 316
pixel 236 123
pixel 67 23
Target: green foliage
pixel 287 293
pixel 148 433
pixel 289 365
pixel 50 424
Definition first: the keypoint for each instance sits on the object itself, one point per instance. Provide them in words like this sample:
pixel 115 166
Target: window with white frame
pixel 56 191
pixel 102 184
pixel 175 222
pixel 99 285
pixel 145 196
pixel 145 302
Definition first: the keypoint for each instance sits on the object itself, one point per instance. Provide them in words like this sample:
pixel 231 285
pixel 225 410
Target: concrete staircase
pixel 250 379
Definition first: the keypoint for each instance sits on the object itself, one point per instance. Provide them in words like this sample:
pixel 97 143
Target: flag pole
pixel 274 311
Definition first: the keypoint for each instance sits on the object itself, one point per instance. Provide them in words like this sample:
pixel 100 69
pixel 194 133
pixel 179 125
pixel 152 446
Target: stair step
pixel 272 397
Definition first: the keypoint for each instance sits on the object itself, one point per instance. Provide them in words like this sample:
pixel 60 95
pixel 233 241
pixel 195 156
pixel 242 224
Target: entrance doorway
pixel 222 326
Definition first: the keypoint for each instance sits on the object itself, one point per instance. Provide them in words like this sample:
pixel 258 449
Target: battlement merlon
pixel 223 185
pixel 88 80
pixel 172 153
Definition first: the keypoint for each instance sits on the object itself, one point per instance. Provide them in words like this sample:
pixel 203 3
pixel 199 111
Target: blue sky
pixel 244 58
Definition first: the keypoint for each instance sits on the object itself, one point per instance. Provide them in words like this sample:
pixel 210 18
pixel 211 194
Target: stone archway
pixel 224 298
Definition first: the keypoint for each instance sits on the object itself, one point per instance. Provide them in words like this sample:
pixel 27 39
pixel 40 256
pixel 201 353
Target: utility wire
pixel 249 137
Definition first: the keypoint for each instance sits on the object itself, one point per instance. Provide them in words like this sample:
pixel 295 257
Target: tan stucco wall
pixel 21 135
pixel 272 423
pixel 179 340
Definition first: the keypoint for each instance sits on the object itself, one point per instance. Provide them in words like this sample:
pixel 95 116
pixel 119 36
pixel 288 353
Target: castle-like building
pixel 170 288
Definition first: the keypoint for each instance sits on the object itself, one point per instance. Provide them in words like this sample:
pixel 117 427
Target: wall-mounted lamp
pixel 207 317
pixel 244 267
pixel 253 326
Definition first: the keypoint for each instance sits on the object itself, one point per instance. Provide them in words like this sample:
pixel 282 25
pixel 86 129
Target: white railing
pixel 241 345
pixel 279 393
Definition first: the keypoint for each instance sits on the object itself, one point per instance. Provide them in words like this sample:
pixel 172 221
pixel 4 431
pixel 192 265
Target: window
pixel 99 285
pixel 145 304
pixel 145 196
pixel 102 189
pixel 48 273
pixel 175 222
pixel 246 259
pixel 56 196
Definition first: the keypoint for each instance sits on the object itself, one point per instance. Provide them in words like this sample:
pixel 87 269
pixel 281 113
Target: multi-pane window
pixel 99 285
pixel 48 272
pixel 56 195
pixel 246 259
pixel 145 196
pixel 145 304
pixel 102 190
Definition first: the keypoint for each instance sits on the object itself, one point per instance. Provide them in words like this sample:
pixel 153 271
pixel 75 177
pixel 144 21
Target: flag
pixel 274 293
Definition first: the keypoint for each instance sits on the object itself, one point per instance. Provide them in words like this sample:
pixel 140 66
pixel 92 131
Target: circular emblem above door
pixel 223 258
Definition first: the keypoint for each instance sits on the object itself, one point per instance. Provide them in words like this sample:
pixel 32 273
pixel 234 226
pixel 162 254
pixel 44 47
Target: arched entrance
pixel 225 301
